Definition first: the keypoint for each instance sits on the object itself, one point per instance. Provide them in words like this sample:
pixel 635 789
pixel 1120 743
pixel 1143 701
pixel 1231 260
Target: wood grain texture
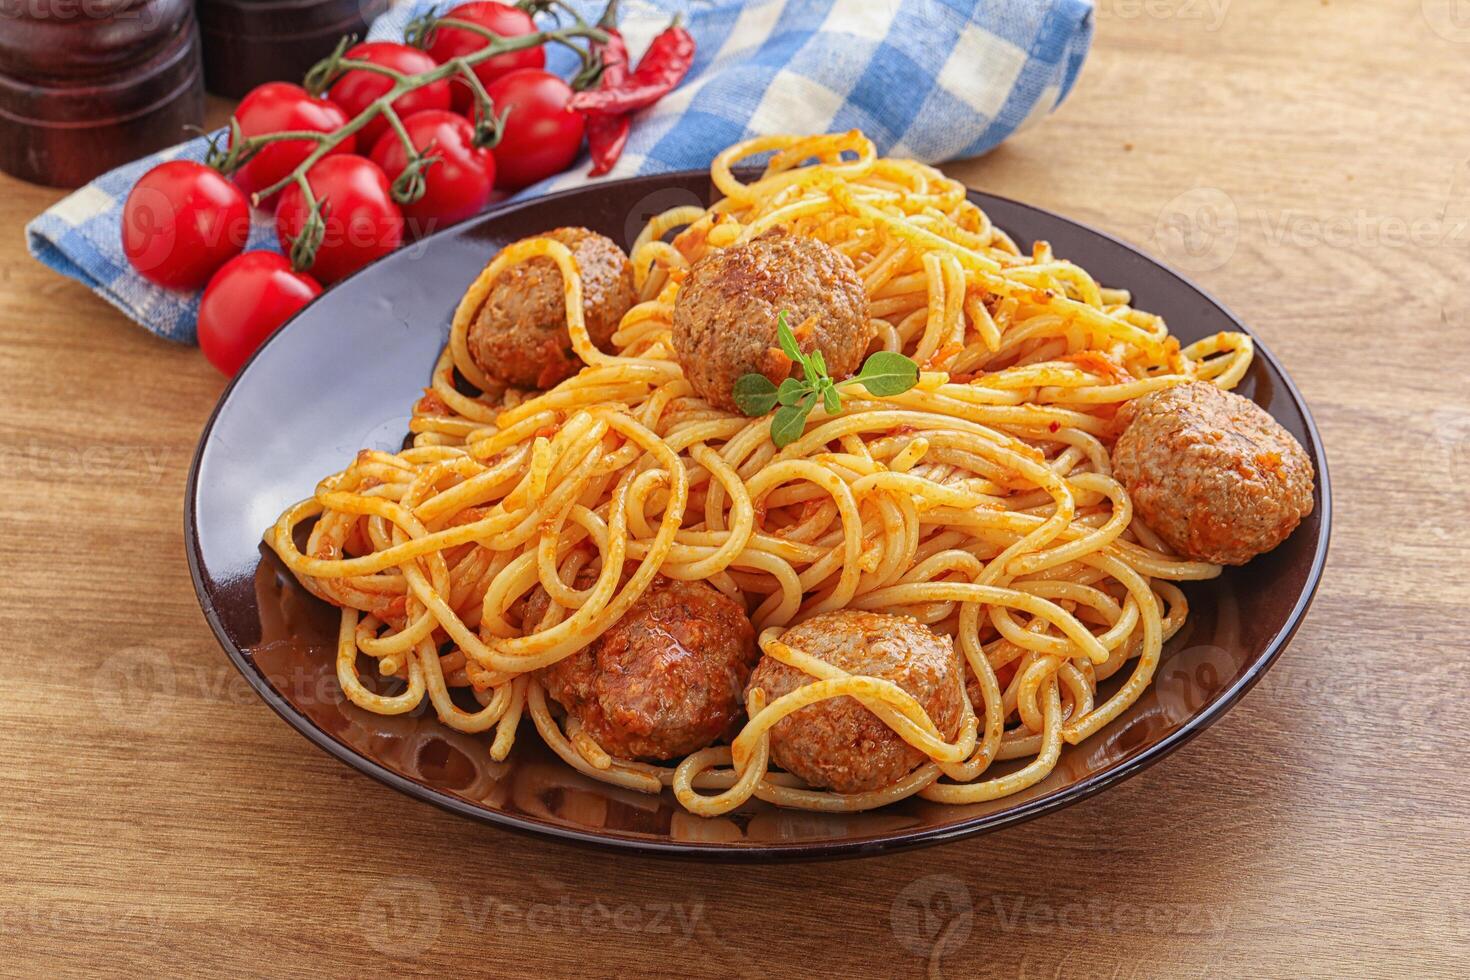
pixel 1317 156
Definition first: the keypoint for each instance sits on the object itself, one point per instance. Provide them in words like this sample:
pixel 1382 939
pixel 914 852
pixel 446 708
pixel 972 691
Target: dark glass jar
pixel 248 42
pixel 87 85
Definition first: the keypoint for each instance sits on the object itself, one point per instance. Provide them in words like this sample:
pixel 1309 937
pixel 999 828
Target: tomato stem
pixel 410 185
pixel 352 64
pixel 591 68
pixel 488 126
pixel 320 75
pixel 396 124
pixel 304 246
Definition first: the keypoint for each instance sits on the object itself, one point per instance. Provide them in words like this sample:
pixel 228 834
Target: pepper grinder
pixel 249 42
pixel 88 85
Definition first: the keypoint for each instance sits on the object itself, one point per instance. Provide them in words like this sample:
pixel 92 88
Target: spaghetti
pixel 979 502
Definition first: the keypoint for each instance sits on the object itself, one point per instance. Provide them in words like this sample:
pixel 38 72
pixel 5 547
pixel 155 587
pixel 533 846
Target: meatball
pixel 725 313
pixel 666 679
pixel 838 743
pixel 1211 473
pixel 519 335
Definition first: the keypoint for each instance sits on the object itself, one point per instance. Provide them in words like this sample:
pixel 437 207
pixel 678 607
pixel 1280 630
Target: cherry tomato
pixel 542 136
pixel 356 89
pixel 503 19
pixel 181 221
pixel 456 186
pixel 280 107
pixel 362 221
pixel 248 298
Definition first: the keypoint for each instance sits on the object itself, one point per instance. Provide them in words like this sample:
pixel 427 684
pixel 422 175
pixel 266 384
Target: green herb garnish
pixel 884 374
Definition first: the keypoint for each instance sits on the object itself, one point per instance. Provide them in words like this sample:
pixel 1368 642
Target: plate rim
pixel 796 850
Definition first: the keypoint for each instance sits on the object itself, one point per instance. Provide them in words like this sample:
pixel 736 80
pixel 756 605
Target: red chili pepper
pixel 662 67
pixel 608 134
pixel 606 137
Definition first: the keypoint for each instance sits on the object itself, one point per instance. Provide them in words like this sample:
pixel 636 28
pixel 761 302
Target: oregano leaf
pixel 888 373
pixel 754 394
pixel 789 423
pixel 790 391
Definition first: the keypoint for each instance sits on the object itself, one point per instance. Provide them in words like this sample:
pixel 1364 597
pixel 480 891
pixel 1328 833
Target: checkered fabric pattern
pixel 927 79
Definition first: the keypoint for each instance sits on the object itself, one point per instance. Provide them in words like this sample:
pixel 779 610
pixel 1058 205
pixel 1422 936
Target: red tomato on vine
pixel 280 107
pixel 361 221
pixel 357 89
pixel 246 300
pixel 542 135
pixel 459 181
pixel 502 19
pixel 182 220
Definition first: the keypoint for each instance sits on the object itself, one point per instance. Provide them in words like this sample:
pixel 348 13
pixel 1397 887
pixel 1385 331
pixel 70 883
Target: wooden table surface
pixel 1308 162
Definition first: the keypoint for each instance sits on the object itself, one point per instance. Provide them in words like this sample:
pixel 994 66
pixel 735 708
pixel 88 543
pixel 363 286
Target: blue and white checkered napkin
pixel 928 79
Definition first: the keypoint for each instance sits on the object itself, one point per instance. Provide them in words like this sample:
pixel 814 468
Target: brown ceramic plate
pixel 342 376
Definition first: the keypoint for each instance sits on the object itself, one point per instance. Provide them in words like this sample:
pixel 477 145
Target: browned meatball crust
pixel 519 335
pixel 725 313
pixel 838 743
pixel 665 680
pixel 1211 473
